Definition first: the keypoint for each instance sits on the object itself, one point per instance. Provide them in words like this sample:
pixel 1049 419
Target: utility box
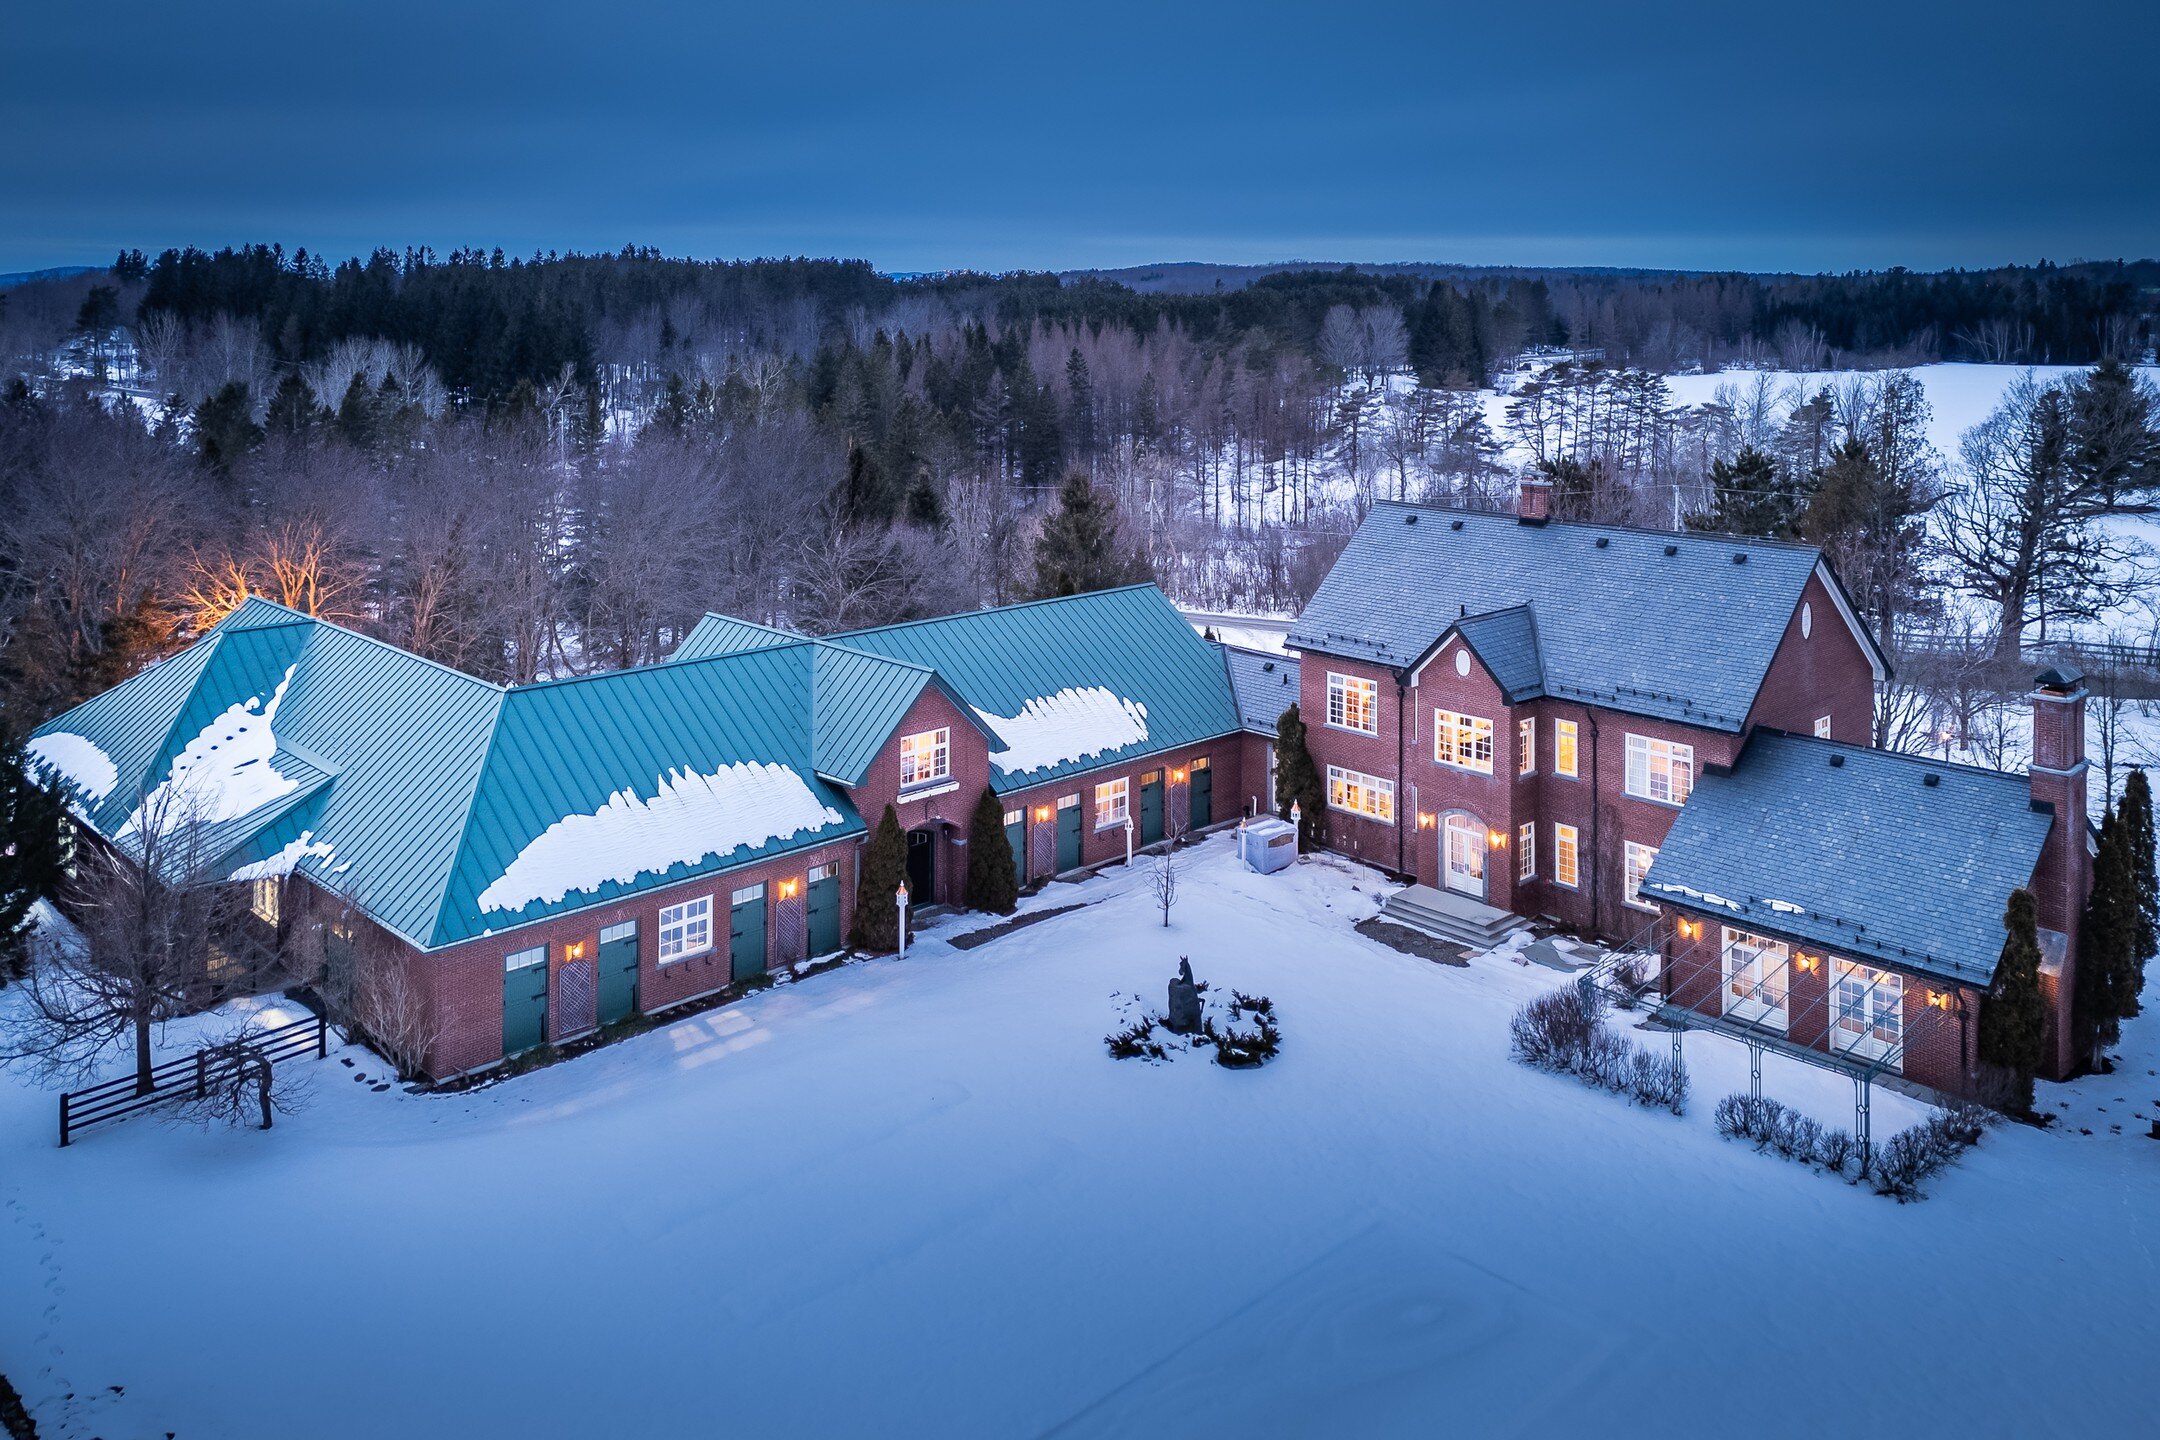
pixel 1267 845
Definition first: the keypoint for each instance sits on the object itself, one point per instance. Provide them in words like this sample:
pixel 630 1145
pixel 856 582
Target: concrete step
pixel 1444 915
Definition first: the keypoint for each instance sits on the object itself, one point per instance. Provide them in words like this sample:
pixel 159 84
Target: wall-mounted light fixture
pixel 1042 813
pixel 1425 821
pixel 575 950
pixel 1495 840
pixel 789 889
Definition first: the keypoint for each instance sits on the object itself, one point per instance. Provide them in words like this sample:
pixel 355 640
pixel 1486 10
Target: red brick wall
pixel 1225 756
pixel 1824 672
pixel 1256 762
pixel 1373 841
pixel 1497 803
pixel 2062 881
pixel 945 808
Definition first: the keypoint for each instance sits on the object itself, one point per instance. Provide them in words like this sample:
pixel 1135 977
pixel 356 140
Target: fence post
pixel 322 1036
pixel 202 1074
pixel 64 1119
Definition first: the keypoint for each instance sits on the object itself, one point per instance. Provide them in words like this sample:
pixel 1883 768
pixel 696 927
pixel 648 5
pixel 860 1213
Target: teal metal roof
pixel 726 635
pixel 1120 654
pixel 856 700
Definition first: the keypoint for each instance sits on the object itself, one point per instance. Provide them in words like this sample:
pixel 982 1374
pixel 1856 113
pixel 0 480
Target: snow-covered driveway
pixel 918 1199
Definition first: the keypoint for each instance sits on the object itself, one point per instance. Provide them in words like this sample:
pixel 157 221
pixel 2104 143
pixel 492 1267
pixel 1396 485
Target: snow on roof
pixel 286 860
pixel 1071 725
pixel 690 817
pixel 225 772
pixel 76 760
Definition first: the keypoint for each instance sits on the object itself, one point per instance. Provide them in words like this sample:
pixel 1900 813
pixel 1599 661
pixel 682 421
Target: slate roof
pixel 1656 624
pixel 1262 684
pixel 1853 849
pixel 1507 642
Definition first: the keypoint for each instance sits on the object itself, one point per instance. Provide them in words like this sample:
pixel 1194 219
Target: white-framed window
pixel 1822 727
pixel 1526 746
pixel 1563 748
pixel 1566 856
pixel 1526 852
pixel 1638 865
pixel 925 758
pixel 525 959
pixel 609 934
pixel 1068 802
pixel 1360 794
pixel 1201 762
pixel 1867 1010
pixel 1271 803
pixel 1014 817
pixel 1660 770
pixel 1113 802
pixel 825 872
pixel 685 929
pixel 1353 703
pixel 1756 976
pixel 1464 741
pixel 263 899
pixel 748 895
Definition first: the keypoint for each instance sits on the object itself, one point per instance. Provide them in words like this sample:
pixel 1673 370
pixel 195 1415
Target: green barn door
pixel 618 972
pixel 824 909
pixel 1202 790
pixel 525 982
pixel 746 933
pixel 1151 807
pixel 1068 832
pixel 1016 836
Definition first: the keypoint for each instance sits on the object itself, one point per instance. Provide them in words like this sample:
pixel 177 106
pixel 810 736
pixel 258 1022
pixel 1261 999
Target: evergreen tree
pixel 1080 549
pixel 32 851
pixel 225 427
pixel 1080 425
pixel 293 410
pixel 2013 1021
pixel 1298 779
pixel 2136 811
pixel 1750 495
pixel 884 871
pixel 993 883
pixel 2107 965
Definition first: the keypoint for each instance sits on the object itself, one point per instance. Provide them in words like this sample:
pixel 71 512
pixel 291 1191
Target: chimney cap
pixel 2062 675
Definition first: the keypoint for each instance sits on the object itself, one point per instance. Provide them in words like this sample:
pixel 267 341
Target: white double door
pixel 1462 856
pixel 1757 978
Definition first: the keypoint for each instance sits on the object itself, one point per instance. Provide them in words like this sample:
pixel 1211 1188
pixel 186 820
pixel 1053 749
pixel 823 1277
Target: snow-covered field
pixel 916 1198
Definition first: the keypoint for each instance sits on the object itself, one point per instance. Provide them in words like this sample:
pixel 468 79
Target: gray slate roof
pixel 1263 685
pixel 1619 622
pixel 1881 865
pixel 1507 642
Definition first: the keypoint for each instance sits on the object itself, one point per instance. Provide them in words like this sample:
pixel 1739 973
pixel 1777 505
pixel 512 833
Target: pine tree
pixel 359 413
pixel 293 410
pixel 993 883
pixel 884 871
pixel 2107 967
pixel 1298 779
pixel 2013 1021
pixel 32 851
pixel 2137 817
pixel 1751 496
pixel 1080 549
pixel 225 427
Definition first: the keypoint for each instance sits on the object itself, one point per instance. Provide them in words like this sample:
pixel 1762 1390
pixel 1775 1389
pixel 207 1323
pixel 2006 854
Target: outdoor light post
pixel 1297 823
pixel 900 904
pixel 1128 839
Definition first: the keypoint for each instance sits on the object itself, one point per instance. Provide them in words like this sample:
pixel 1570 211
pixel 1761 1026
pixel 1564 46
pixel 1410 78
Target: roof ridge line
pixel 465 827
pixel 1005 609
pixel 1717 537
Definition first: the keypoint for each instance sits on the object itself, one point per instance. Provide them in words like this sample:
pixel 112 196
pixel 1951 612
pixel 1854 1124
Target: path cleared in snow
pixel 916 1198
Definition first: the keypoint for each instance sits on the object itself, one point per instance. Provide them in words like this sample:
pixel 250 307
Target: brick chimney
pixel 2063 877
pixel 1533 502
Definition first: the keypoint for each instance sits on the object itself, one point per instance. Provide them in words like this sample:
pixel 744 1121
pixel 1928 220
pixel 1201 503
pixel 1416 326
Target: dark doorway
pixel 922 867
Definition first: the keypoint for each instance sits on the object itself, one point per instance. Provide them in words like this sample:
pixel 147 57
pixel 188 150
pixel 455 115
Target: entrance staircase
pixel 1445 915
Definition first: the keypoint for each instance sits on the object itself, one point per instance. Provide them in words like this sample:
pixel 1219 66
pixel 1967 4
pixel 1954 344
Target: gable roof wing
pixel 1263 685
pixel 718 634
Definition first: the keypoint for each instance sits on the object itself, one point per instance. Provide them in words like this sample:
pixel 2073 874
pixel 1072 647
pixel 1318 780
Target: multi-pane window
pixel 1360 794
pixel 1756 976
pixel 1867 1010
pixel 1353 703
pixel 1566 860
pixel 925 757
pixel 825 872
pixel 1525 746
pixel 1638 865
pixel 609 934
pixel 263 899
pixel 1822 727
pixel 748 895
pixel 1526 852
pixel 1462 740
pixel 1563 748
pixel 1659 769
pixel 685 929
pixel 1014 817
pixel 1113 802
pixel 525 959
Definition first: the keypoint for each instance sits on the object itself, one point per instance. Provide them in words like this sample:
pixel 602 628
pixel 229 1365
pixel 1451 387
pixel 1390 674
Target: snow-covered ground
pixel 917 1198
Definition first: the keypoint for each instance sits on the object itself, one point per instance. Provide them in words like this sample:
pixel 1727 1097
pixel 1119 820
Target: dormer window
pixel 925 758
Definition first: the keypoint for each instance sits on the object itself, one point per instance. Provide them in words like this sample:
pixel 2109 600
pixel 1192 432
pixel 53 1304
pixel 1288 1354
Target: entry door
pixel 525 986
pixel 1201 789
pixel 1068 832
pixel 921 868
pixel 618 971
pixel 1463 866
pixel 746 933
pixel 824 905
pixel 1151 785
pixel 1755 978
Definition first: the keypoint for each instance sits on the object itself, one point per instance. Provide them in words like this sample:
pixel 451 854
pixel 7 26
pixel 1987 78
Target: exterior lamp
pixel 1939 1000
pixel 1042 814
pixel 1177 777
pixel 1806 964
pixel 575 950
pixel 900 904
pixel 1496 840
pixel 788 888
pixel 1425 821
pixel 1128 839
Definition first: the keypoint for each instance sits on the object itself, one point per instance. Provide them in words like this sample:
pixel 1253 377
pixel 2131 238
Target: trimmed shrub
pixel 1553 1031
pixel 1834 1150
pixel 1248 1035
pixel 1565 1032
pixel 1135 1042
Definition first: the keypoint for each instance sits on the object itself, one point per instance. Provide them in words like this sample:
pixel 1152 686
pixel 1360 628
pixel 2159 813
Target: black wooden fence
pixel 184 1077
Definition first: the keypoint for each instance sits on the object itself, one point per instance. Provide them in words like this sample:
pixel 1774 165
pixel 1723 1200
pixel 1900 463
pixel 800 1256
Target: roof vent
pixel 1672 549
pixel 1837 762
pixel 1268 666
pixel 1931 779
pixel 1739 557
pixel 1456 525
pixel 1603 541
pixel 1409 519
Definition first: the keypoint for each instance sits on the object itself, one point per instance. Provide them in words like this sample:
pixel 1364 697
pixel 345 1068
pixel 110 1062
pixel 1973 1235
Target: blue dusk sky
pixel 1761 137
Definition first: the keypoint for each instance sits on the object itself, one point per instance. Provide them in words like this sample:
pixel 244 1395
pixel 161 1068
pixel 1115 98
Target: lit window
pixel 1867 1011
pixel 824 872
pixel 1822 727
pixel 1526 852
pixel 925 758
pixel 1638 865
pixel 748 895
pixel 1353 704
pixel 263 899
pixel 1113 802
pixel 1525 746
pixel 1565 862
pixel 1464 741
pixel 1659 770
pixel 1014 817
pixel 1755 978
pixel 1360 794
pixel 525 959
pixel 1563 748
pixel 686 929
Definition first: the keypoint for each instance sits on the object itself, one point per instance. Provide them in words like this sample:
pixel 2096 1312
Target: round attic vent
pixel 1807 619
pixel 1462 662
